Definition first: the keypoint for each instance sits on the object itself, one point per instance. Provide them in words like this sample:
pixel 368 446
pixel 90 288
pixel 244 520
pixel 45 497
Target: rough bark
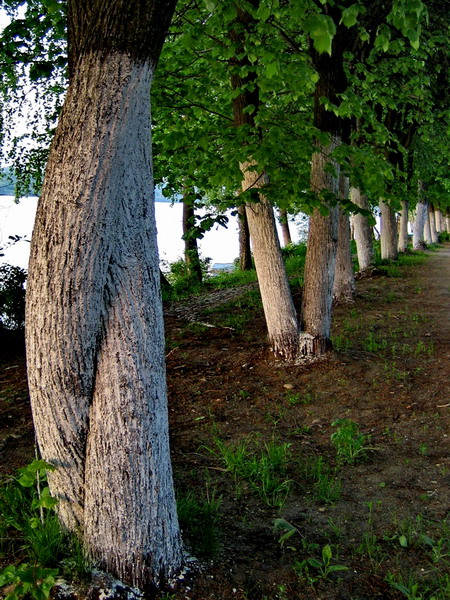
pixel 403 228
pixel 317 297
pixel 95 340
pixel 245 254
pixel 362 230
pixel 279 310
pixel 388 234
pixel 419 225
pixel 432 221
pixel 427 228
pixel 191 255
pixel 284 222
pixel 344 280
pixel 447 221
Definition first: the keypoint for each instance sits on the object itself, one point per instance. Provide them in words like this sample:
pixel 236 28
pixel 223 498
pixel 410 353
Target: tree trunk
pixel 362 230
pixel 320 262
pixel 403 228
pixel 419 225
pixel 427 228
pixel 388 233
pixel 284 222
pixel 447 220
pixel 245 254
pixel 432 221
pixel 344 280
pixel 191 255
pixel 95 340
pixel 279 310
pixel 440 223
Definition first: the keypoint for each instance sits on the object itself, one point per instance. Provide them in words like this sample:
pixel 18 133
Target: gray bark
pixel 432 220
pixel 447 221
pixel 427 228
pixel 95 340
pixel 439 218
pixel 284 222
pixel 279 310
pixel 388 234
pixel 362 231
pixel 320 262
pixel 344 280
pixel 403 228
pixel 419 225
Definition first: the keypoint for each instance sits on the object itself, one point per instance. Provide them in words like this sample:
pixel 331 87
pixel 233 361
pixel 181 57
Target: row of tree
pixel 256 102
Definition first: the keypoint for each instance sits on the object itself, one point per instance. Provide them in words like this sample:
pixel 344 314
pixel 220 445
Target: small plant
pixel 28 581
pixel 262 466
pixel 349 442
pixel 199 518
pixel 327 488
pixel 314 568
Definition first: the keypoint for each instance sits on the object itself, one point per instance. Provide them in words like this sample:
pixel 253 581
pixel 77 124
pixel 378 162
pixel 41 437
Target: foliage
pixel 314 568
pixel 199 519
pixel 28 581
pixel 12 297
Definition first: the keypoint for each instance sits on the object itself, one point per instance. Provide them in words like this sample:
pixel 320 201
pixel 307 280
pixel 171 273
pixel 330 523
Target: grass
pixel 199 520
pixel 350 444
pixel 262 465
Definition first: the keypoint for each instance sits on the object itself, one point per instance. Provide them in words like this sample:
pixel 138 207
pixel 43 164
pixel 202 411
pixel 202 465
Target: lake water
pixel 220 244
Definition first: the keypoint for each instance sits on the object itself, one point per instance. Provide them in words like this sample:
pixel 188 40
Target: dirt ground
pixel 389 373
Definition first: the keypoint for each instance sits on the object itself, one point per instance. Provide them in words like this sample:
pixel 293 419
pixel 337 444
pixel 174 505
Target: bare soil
pixel 389 373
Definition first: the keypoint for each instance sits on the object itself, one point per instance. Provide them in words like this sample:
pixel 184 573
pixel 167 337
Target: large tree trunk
pixel 344 280
pixel 447 220
pixel 284 222
pixel 432 220
pixel 440 223
pixel 362 230
pixel 245 254
pixel 279 310
pixel 403 228
pixel 191 255
pixel 95 340
pixel 419 225
pixel 388 233
pixel 320 262
pixel 427 228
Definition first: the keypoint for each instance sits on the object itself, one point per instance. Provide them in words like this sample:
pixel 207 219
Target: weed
pixel 327 488
pixel 28 581
pixel 423 449
pixel 296 398
pixel 262 466
pixel 312 569
pixel 372 344
pixel 349 442
pixel 199 519
pixel 369 545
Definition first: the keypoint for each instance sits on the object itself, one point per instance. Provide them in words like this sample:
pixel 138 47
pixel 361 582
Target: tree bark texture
pixel 403 228
pixel 432 220
pixel 245 253
pixel 344 280
pixel 95 340
pixel 279 310
pixel 439 218
pixel 447 221
pixel 419 225
pixel 388 234
pixel 286 232
pixel 427 228
pixel 320 261
pixel 362 230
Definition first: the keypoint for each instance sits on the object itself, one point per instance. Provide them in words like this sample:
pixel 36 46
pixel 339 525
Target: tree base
pixel 311 346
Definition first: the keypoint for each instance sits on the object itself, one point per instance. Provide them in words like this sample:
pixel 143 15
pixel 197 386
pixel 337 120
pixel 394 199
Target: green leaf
pixel 326 553
pixel 322 29
pixel 314 562
pixel 403 540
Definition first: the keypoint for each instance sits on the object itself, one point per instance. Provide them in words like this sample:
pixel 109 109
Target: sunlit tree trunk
pixel 403 228
pixel 427 228
pixel 439 218
pixel 284 222
pixel 388 232
pixel 95 340
pixel 344 280
pixel 362 230
pixel 419 225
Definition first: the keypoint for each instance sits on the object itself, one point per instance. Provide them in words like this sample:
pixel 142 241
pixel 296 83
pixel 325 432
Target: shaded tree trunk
pixel 440 223
pixel 432 221
pixel 362 230
pixel 191 255
pixel 245 254
pixel 427 228
pixel 317 297
pixel 403 228
pixel 284 222
pixel 95 340
pixel 388 233
pixel 447 220
pixel 344 280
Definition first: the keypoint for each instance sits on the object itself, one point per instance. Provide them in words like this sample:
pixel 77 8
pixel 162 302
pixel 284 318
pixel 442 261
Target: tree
pixel 94 325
